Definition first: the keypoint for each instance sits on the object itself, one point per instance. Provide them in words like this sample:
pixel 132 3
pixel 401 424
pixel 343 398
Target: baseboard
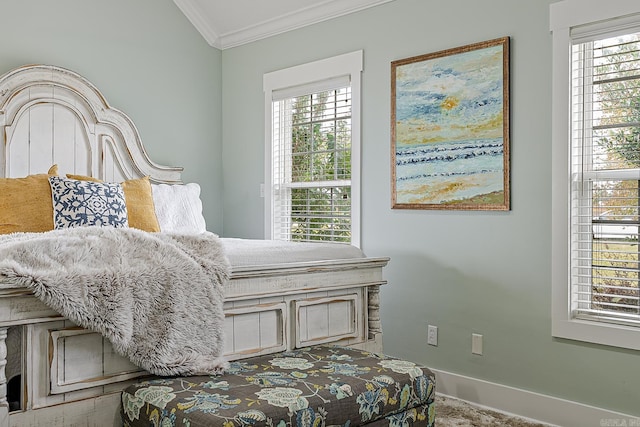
pixel 528 404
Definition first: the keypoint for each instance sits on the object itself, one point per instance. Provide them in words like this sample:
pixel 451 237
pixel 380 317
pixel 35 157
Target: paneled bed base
pixel 319 385
pixel 70 375
pixel 104 411
pixel 101 411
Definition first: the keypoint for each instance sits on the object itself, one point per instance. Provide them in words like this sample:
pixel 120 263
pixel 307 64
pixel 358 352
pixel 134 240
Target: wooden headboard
pixel 49 115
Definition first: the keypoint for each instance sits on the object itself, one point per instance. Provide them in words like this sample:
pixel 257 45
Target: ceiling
pixel 229 23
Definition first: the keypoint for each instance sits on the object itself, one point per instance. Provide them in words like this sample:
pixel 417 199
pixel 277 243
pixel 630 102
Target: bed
pixel 55 373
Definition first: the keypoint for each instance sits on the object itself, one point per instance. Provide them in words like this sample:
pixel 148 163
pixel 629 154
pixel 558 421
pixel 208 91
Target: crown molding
pixel 322 11
pixel 198 19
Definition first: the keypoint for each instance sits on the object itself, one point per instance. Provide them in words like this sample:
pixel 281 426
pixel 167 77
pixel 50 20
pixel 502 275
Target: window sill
pixel 597 333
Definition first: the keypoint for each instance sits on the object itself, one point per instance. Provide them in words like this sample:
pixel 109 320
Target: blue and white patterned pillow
pixel 87 203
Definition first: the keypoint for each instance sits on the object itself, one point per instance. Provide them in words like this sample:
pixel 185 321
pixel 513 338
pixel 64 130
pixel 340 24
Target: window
pixel 605 158
pixel 596 173
pixel 312 137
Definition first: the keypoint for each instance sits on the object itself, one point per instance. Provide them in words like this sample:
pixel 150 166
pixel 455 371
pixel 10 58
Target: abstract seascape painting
pixel 450 129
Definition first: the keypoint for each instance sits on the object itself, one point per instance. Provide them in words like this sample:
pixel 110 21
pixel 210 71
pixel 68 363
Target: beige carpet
pixel 456 413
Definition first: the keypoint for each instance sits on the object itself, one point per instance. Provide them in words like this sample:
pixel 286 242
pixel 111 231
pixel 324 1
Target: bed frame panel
pixel 71 376
pixel 52 115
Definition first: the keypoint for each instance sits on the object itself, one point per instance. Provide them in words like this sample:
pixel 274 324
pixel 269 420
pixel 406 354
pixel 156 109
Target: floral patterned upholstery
pixel 315 386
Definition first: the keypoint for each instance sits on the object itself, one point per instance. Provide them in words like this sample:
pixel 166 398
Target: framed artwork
pixel 450 129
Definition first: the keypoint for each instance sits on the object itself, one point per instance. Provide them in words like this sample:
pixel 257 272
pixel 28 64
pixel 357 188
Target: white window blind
pixel 311 155
pixel 605 173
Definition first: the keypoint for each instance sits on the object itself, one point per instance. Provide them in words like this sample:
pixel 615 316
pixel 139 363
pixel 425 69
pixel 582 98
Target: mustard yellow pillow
pixel 139 200
pixel 25 203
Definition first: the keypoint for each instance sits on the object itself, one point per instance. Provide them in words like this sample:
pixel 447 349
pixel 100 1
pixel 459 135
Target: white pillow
pixel 179 208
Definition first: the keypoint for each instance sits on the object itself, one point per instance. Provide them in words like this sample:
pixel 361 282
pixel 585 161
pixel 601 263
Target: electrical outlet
pixel 432 335
pixel 476 344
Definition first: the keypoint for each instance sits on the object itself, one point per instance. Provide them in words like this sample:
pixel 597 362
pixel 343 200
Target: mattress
pixel 253 252
pixel 320 385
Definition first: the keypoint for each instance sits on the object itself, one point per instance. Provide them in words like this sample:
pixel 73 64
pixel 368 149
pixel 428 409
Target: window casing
pixel 312 123
pixel 596 204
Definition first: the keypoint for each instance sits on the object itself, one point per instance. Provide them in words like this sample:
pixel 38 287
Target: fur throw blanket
pixel 157 297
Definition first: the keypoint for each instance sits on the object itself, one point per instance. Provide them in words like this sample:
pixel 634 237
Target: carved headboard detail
pixel 89 136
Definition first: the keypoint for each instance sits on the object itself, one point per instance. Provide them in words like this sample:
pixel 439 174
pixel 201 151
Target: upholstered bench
pixel 314 386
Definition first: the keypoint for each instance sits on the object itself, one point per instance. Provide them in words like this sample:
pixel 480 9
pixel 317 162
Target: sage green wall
pixel 466 272
pixel 148 61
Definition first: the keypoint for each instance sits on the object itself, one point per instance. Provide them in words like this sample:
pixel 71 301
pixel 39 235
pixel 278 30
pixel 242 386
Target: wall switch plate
pixel 432 335
pixel 476 344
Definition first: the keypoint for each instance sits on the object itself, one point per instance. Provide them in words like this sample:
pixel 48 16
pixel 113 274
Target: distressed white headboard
pixel 49 115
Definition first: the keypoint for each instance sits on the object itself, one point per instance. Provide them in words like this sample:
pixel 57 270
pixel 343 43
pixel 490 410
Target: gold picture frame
pixel 450 129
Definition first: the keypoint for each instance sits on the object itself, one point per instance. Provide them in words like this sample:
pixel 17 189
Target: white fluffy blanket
pixel 157 297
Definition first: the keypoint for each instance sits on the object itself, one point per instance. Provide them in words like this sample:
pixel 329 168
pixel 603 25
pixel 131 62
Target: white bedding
pixel 253 252
pixel 179 210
